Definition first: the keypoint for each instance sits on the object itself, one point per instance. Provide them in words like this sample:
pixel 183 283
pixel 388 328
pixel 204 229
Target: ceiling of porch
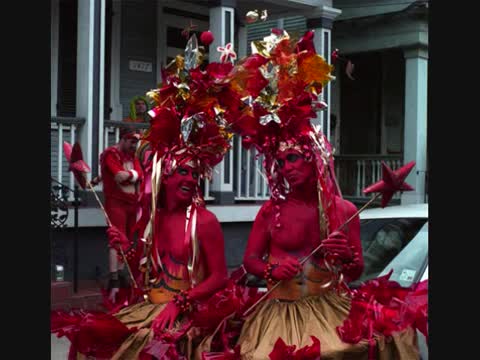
pixel 275 8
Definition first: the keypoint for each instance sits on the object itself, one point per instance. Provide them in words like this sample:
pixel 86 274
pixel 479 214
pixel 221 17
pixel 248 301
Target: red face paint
pixel 180 186
pixel 296 170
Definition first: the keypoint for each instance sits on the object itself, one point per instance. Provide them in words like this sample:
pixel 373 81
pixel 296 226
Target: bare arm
pixel 258 241
pixel 115 166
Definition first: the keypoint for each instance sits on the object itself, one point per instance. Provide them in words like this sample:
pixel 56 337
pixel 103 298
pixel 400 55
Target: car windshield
pixel 382 241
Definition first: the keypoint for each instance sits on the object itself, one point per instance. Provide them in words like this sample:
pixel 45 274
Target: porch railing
pixel 355 172
pixel 249 183
pixel 62 129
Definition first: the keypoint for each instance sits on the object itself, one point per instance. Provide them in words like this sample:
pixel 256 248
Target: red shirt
pixel 112 161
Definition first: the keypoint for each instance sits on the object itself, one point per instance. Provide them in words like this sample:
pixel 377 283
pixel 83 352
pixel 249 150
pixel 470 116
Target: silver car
pixel 396 237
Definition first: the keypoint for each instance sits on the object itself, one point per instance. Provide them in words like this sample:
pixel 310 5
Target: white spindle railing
pixel 250 184
pixel 356 172
pixel 206 191
pixel 62 129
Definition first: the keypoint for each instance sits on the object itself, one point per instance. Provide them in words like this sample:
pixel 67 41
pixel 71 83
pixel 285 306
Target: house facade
pixel 104 52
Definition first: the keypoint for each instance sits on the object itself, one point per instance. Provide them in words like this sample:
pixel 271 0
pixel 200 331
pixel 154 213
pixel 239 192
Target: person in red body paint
pixel 311 299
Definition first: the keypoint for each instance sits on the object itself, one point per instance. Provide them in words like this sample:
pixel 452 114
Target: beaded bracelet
pixel 267 272
pixel 182 301
pixel 129 254
pixel 352 262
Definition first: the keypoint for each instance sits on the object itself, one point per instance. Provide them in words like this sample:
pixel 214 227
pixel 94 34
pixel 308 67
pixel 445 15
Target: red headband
pixel 126 133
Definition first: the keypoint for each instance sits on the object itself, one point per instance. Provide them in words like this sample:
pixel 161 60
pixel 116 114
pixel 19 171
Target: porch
pixel 242 169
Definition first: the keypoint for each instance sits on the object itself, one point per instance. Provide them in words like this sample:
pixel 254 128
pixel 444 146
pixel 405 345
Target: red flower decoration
pixel 188 29
pixel 91 333
pixel 306 42
pixel 277 31
pixel 227 53
pixel 334 55
pixel 381 306
pixel 282 351
pixel 164 128
pixel 225 355
pixel 76 164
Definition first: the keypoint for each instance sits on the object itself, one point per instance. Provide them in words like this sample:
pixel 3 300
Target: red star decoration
pixel 188 29
pixel 77 165
pixel 392 181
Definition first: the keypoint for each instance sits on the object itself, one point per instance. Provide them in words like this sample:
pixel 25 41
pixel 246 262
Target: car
pixel 396 238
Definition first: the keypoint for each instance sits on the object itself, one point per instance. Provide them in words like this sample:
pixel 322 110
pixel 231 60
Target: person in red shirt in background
pixel 121 175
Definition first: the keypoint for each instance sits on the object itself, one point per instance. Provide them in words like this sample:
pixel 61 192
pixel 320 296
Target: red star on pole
pixel 392 181
pixel 188 29
pixel 77 165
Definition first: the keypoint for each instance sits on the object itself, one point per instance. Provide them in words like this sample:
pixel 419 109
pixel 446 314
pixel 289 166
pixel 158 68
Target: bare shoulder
pixel 209 229
pixel 206 217
pixel 348 207
pixel 265 209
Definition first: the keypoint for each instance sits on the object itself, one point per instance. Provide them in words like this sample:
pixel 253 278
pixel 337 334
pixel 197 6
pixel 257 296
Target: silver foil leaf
pixel 192 55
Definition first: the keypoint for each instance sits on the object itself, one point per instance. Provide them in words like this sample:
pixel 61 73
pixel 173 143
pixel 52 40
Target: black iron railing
pixel 59 209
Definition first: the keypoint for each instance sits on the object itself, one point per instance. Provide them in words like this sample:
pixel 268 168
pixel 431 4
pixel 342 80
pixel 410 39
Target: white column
pixel 54 29
pixel 336 89
pixel 161 40
pixel 415 133
pixel 222 26
pixel 101 80
pixel 383 105
pixel 117 109
pixel 321 21
pixel 242 42
pixel 90 74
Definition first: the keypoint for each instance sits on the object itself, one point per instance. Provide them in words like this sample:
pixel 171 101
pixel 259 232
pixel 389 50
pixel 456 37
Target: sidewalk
pixel 59 348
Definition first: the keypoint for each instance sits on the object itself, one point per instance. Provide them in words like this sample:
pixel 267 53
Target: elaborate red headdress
pixel 192 111
pixel 191 116
pixel 280 115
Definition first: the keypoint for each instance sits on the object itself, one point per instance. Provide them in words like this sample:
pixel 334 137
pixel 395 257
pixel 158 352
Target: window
pixel 384 239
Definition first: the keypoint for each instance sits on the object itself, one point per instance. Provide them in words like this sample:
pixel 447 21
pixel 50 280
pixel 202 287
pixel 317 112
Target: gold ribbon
pixel 149 230
pixel 191 223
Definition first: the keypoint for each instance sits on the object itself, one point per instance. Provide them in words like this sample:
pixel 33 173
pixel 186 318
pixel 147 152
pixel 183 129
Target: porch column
pixel 321 21
pixel 90 77
pixel 242 42
pixel 115 104
pixel 222 16
pixel 55 9
pixel 415 133
pixel 161 40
